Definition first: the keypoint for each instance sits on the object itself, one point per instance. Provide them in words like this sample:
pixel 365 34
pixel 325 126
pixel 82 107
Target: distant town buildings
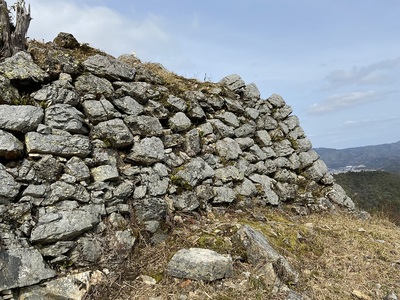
pixel 346 169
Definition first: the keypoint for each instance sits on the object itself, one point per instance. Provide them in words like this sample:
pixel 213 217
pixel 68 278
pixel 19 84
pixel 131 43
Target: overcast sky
pixel 336 62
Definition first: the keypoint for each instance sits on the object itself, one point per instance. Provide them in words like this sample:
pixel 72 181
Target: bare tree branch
pixel 13 36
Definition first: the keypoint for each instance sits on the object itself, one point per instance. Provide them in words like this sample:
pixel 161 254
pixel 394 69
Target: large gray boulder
pixel 91 84
pixel 113 133
pixel 156 179
pixel 276 101
pixel 233 82
pixel 193 172
pixel 200 264
pixel 99 110
pixel 8 93
pixel 63 225
pixel 104 173
pixel 176 103
pixel 9 188
pixel 147 151
pixel 77 168
pixel 317 170
pixel 283 148
pixel 259 251
pixel 186 201
pixel 140 91
pixel 266 185
pixel 109 67
pixel 10 147
pixel 229 119
pixel 229 173
pixel 65 117
pixel 252 92
pixel 22 267
pixel 220 129
pixel 59 91
pixel 223 194
pixel 263 138
pixel 128 105
pixel 21 68
pixel 20 118
pixel 73 285
pixel 144 125
pixel 228 148
pixel 338 195
pixel 150 208
pixel 47 169
pixel 65 146
pixel 192 142
pixel 179 122
pixel 66 40
pixel 60 190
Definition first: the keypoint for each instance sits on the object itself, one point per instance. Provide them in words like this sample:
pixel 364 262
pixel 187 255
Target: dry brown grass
pixel 178 85
pixel 337 256
pixel 358 256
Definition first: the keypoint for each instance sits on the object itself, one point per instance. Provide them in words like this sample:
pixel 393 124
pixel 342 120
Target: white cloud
pixel 376 73
pixel 372 122
pixel 342 101
pixel 102 28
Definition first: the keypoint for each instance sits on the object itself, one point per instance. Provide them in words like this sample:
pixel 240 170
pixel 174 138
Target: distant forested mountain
pixel 380 157
pixel 376 192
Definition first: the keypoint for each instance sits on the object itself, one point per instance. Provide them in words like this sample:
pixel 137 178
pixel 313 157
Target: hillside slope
pixel 375 191
pixel 339 256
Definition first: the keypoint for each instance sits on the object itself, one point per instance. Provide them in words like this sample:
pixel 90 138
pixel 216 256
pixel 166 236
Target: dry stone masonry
pixel 90 144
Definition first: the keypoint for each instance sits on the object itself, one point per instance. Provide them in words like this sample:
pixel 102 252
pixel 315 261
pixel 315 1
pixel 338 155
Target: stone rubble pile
pixel 85 147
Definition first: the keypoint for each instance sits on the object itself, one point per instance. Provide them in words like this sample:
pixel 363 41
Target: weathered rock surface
pixel 144 125
pixel 10 146
pixel 108 67
pixel 194 172
pixel 60 91
pixel 65 146
pixel 66 40
pixel 104 173
pixel 75 286
pixel 179 122
pixel 65 117
pixel 140 91
pixel 63 225
pixel 233 82
pixel 96 86
pixel 8 93
pixel 99 110
pixel 22 267
pixel 9 188
pixel 129 106
pixel 200 264
pixel 258 250
pixel 76 167
pixel 27 72
pixel 20 118
pixel 114 133
pixel 147 151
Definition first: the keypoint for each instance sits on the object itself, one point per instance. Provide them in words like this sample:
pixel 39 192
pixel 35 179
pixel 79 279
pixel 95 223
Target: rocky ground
pixel 336 256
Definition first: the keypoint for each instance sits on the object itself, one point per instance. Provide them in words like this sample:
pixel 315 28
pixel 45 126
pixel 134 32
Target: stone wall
pixel 92 144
